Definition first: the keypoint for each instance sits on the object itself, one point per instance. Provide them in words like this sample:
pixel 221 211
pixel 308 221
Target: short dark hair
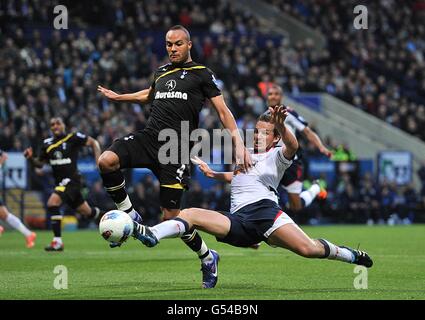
pixel 267 117
pixel 180 27
pixel 57 118
pixel 278 87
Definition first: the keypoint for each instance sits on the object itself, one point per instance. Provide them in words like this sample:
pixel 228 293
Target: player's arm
pixel 315 140
pixel 279 115
pixel 94 144
pixel 208 172
pixel 29 154
pixel 228 121
pixel 142 97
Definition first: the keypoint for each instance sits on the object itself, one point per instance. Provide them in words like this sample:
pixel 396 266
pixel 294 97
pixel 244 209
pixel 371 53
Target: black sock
pixel 114 184
pixel 95 212
pixel 194 241
pixel 55 220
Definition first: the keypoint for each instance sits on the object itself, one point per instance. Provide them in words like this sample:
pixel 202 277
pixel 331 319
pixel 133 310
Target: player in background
pixel 291 181
pixel 61 152
pixel 255 214
pixel 11 219
pixel 177 93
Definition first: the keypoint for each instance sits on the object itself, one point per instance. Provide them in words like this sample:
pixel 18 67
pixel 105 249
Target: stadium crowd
pixel 45 73
pixel 380 70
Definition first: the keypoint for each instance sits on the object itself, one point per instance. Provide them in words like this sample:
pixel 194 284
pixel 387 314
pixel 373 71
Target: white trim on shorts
pixel 294 187
pixel 282 220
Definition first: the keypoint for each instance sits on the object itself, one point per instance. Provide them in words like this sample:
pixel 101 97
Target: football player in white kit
pixel 255 215
pixel 11 219
pixel 291 180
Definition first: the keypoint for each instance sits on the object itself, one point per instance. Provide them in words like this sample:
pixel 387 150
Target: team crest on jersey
pixel 184 73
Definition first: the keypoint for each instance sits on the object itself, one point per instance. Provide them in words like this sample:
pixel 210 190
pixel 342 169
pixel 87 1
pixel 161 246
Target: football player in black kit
pixel 177 93
pixel 61 152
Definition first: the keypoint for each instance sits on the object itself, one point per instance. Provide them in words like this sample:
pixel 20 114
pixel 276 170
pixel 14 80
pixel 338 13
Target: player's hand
pixel 202 165
pixel 243 159
pixel 28 153
pixel 279 114
pixel 107 93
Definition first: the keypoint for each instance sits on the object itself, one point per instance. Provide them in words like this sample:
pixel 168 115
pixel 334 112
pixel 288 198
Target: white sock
pixel 125 205
pixel 58 240
pixel 204 250
pixel 309 195
pixel 338 253
pixel 133 214
pixel 17 224
pixel 169 229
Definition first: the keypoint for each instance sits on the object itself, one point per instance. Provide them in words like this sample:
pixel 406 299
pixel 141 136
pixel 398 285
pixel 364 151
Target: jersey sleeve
pixel 42 154
pixel 280 159
pixel 80 139
pixel 154 77
pixel 209 84
pixel 296 121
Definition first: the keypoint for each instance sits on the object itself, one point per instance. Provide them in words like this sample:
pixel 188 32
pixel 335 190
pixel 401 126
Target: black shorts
pixel 140 150
pixel 292 174
pixel 249 225
pixel 70 194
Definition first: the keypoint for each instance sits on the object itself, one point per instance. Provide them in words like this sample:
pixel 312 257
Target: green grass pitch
pixel 171 271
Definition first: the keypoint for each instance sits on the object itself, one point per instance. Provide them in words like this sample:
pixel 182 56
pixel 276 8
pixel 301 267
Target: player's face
pixel 57 127
pixel 274 97
pixel 178 46
pixel 264 137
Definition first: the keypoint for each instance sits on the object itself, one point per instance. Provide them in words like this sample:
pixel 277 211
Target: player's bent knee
pixel 187 215
pixel 108 162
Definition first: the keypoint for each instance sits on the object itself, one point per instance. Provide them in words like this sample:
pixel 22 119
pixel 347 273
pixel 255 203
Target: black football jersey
pixel 179 94
pixel 62 154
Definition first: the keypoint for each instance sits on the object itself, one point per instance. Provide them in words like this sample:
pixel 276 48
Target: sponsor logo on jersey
pixel 171 95
pixel 59 162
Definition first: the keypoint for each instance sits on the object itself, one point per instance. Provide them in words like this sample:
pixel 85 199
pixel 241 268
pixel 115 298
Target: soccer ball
pixel 116 226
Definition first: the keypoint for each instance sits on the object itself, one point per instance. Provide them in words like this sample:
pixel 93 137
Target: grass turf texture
pixel 172 271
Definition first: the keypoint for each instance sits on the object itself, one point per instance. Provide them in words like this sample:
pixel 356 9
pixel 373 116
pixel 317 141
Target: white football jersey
pixel 261 181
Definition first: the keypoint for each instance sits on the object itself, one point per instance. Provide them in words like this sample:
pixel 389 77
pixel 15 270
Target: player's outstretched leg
pixel 290 236
pixel 17 224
